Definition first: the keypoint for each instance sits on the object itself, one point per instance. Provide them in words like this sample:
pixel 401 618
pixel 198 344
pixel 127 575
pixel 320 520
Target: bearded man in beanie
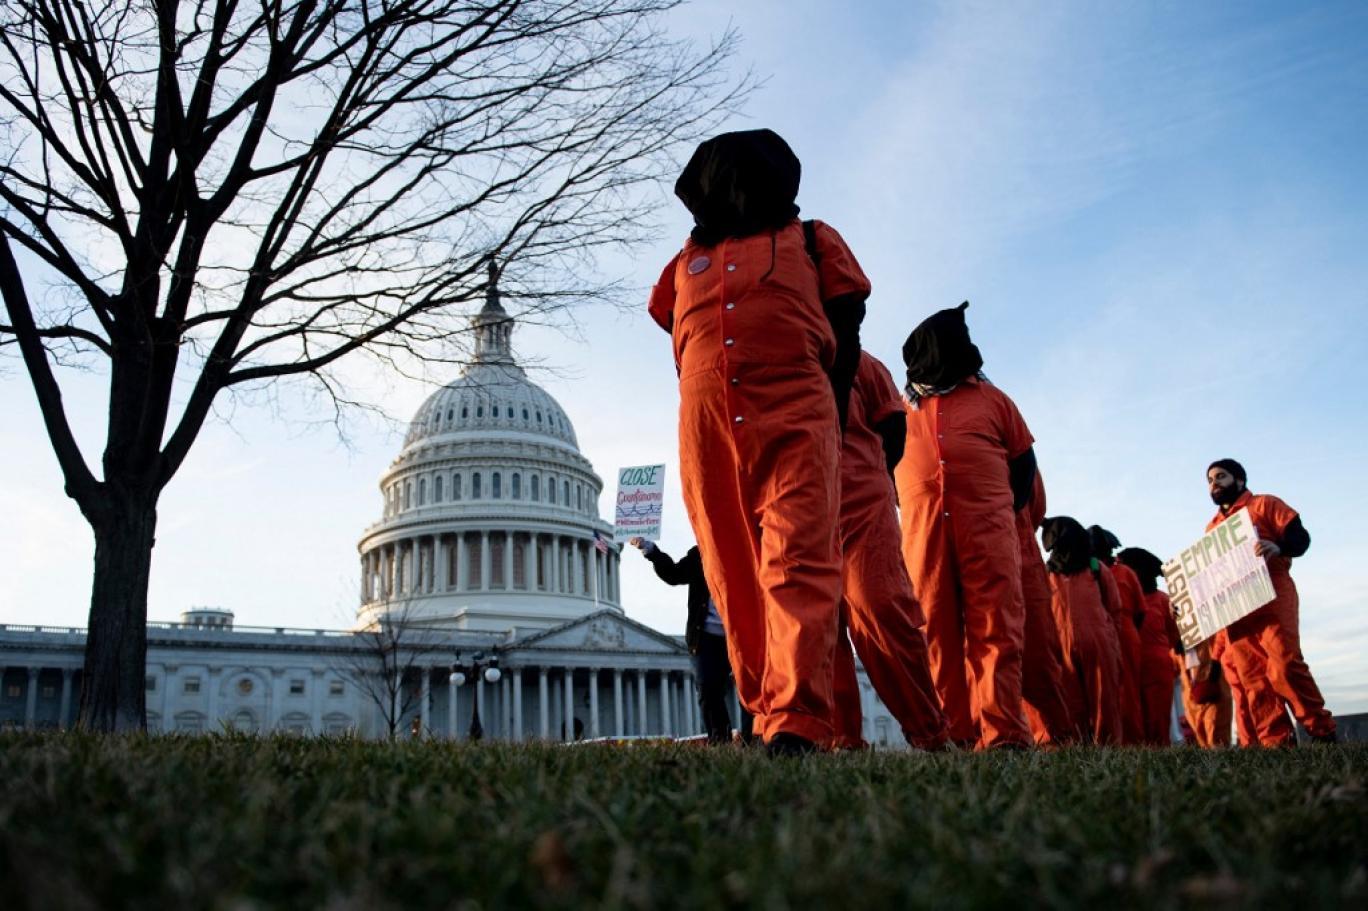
pixel 968 467
pixel 1264 647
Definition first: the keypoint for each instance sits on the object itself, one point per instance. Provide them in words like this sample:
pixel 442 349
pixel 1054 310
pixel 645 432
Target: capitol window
pixel 538 417
pixel 551 490
pixel 566 490
pixel 516 492
pixel 449 415
pixel 475 486
pixel 408 494
pixel 192 685
pixel 422 491
pixel 479 411
pixel 455 487
pixel 496 485
pixel 536 488
pixel 437 489
pixel 296 687
pixel 336 688
pixel 524 414
pixel 150 684
pixel 494 411
pixel 579 497
pixel 465 412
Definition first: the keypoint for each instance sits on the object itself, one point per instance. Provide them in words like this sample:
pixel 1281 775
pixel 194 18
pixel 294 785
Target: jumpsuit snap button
pixel 739 419
pixel 729 342
pixel 735 381
pixel 947 515
pixel 731 306
pixel 731 267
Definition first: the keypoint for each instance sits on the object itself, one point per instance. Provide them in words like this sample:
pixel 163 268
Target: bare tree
pixel 201 198
pixel 394 650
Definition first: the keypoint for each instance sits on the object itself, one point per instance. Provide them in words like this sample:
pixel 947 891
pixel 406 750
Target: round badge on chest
pixel 699 264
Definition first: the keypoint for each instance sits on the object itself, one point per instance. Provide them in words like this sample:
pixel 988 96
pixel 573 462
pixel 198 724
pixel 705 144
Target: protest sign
pixel 640 498
pixel 1218 580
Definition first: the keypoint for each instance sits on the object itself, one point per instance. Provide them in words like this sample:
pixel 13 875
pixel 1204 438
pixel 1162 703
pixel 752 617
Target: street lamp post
pixel 480 667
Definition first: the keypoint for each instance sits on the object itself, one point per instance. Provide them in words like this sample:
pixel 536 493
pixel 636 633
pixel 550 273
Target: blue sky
pixel 1159 212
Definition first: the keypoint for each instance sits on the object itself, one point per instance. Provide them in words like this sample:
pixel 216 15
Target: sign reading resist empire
pixel 640 500
pixel 1218 580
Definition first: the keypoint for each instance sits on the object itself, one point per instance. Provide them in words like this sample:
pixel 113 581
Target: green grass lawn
pixel 239 822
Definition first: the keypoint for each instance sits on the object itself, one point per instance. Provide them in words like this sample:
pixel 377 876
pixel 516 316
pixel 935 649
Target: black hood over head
pixel 1145 565
pixel 1068 543
pixel 939 353
pixel 1104 543
pixel 738 184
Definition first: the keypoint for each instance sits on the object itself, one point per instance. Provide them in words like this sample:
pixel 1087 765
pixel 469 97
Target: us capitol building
pixel 486 608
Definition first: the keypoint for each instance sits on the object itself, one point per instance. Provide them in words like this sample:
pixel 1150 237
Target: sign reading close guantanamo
pixel 640 501
pixel 1217 580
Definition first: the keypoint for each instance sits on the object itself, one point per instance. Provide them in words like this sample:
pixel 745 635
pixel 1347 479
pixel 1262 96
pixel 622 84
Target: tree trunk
pixel 113 692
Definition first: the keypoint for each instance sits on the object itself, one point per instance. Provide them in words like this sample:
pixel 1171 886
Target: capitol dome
pixel 489 512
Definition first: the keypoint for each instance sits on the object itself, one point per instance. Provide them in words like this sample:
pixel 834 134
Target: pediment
pixel 604 631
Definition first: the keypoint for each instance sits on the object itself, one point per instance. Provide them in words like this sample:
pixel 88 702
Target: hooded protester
pixel 1052 698
pixel 1091 653
pixel 967 468
pixel 1127 610
pixel 1159 643
pixel 764 314
pixel 1263 649
pixel 883 616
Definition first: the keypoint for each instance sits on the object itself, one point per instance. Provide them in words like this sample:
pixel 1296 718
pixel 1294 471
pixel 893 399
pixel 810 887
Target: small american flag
pixel 599 542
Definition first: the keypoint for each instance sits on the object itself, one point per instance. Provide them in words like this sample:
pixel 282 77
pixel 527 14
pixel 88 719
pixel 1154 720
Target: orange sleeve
pixel 839 273
pixel 881 395
pixel 662 302
pixel 1016 436
pixel 1274 512
pixel 1111 592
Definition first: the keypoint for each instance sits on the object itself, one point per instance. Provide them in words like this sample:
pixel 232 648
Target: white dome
pixel 490 512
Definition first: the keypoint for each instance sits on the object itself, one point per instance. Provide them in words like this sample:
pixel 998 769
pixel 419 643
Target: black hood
pixel 1104 543
pixel 1145 565
pixel 739 184
pixel 1068 543
pixel 938 353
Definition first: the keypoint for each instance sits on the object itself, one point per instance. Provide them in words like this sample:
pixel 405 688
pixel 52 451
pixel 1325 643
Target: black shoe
pixel 789 745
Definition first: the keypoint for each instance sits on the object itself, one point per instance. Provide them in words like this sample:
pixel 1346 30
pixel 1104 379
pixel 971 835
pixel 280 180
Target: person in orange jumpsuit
pixel 1127 612
pixel 1051 696
pixel 967 468
pixel 1159 643
pixel 883 615
pixel 1264 647
pixel 1091 652
pixel 766 343
pixel 1207 699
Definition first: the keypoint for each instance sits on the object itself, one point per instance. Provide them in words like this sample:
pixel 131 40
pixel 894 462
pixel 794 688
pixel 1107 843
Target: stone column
pixel 452 731
pixel 316 701
pixel 569 704
pixel 553 570
pixel 593 703
pixel 480 698
pixel 31 698
pixel 691 700
pixel 484 561
pixel 441 560
pixel 424 697
pixel 211 724
pixel 641 701
pixel 506 706
pixel 517 705
pixel 665 720
pixel 543 704
pixel 392 573
pixel 462 579
pixel 508 561
pixel 66 696
pixel 530 562
pixel 618 727
pixel 576 568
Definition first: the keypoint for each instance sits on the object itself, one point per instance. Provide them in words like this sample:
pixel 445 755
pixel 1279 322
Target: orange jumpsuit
pixel 759 454
pixel 1158 636
pixel 960 544
pixel 1090 650
pixel 1264 648
pixel 1210 721
pixel 1051 696
pixel 884 617
pixel 1127 609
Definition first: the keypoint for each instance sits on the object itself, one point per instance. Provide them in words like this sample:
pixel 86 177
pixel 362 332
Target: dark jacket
pixel 688 571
